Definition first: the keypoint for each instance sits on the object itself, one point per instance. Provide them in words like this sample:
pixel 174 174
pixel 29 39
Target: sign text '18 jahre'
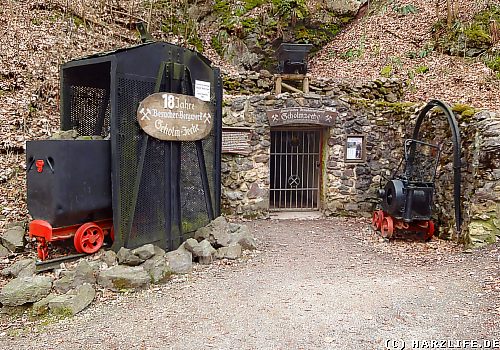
pixel 174 117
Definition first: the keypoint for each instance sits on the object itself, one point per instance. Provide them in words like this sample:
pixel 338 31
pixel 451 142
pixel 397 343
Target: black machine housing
pixel 409 196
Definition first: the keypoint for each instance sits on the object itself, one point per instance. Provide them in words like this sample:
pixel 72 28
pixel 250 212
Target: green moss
pixel 249 24
pixel 421 69
pixel 396 107
pixel 494 64
pixel 467 38
pixel 386 71
pixel 251 4
pixel 62 312
pixel 464 110
pixel 121 284
pixel 222 6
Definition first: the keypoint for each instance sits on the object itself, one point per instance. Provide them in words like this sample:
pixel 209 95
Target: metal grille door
pixel 295 169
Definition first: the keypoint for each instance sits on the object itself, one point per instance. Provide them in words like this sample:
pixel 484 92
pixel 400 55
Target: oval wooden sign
pixel 175 117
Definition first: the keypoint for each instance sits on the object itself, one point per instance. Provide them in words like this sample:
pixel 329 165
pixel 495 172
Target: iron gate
pixel 295 168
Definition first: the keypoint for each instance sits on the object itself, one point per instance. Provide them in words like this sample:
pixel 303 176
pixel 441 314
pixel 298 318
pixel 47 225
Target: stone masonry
pixel 350 189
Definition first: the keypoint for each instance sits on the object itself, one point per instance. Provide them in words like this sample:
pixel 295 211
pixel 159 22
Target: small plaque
pixel 236 141
pixel 174 117
pixel 299 115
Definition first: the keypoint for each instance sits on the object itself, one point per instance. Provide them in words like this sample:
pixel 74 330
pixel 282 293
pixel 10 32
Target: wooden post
pixel 277 85
pixel 305 85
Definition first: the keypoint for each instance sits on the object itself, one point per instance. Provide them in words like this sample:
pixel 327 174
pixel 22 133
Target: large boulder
pixel 144 252
pixel 158 269
pixel 24 290
pixel 242 236
pixel 191 244
pixel 109 257
pixel 204 252
pixel 343 7
pixel 4 251
pixel 41 307
pixel 21 268
pixel 231 252
pixel 13 239
pixel 119 278
pixel 180 260
pixel 216 232
pixel 127 257
pixel 83 273
pixel 73 301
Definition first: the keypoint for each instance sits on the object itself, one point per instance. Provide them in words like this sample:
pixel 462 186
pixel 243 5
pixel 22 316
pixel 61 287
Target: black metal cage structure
pixel 161 190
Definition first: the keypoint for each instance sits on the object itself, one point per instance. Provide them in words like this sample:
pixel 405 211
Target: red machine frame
pixel 387 225
pixel 87 238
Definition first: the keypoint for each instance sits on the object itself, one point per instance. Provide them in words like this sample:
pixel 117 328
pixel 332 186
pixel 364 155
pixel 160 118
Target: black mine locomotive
pixel 146 173
pixel 407 199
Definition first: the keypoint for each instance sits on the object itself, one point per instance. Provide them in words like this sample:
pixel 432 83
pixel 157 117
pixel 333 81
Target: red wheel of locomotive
pixel 387 228
pixel 378 216
pixel 88 238
pixel 42 250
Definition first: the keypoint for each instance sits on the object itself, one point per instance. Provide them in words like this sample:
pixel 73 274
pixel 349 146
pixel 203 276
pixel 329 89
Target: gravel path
pixel 320 284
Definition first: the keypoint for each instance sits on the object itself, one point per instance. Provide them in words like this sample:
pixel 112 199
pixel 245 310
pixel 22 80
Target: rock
pixel 109 258
pixel 230 252
pixel 216 232
pixel 159 251
pixel 243 237
pixel 83 273
pixel 158 269
pixel 204 252
pixel 13 239
pixel 22 290
pixel 4 251
pixel 122 277
pixel 145 252
pixel 255 191
pixel 21 268
pixel 65 283
pixel 73 301
pixel 41 307
pixel 126 257
pixel 180 260
pixel 191 244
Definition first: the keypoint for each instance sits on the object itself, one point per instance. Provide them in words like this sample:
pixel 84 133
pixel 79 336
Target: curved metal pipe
pixel 456 151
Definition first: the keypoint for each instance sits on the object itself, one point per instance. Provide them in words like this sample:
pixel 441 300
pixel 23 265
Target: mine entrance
pixel 295 168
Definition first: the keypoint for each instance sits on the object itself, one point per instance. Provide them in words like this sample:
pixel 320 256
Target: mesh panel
pixel 86 111
pixel 209 151
pixel 193 207
pixel 131 92
pixel 149 219
pixel 423 165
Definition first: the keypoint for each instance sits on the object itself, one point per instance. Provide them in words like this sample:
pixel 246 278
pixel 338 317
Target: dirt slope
pixel 386 38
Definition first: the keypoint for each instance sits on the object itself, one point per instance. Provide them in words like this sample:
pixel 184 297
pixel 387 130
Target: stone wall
pixel 351 188
pixel 483 204
pixel 254 83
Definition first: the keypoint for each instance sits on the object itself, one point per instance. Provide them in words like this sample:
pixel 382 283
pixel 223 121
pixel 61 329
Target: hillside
pixel 360 41
pixel 392 42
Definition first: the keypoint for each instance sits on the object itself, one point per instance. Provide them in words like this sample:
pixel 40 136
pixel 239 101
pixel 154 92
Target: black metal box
pixel 292 58
pixel 69 181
